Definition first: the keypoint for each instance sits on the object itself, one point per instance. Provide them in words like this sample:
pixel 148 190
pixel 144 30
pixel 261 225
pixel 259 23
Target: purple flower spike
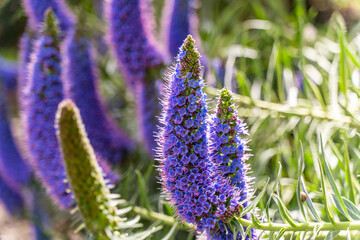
pixel 8 74
pixel 201 195
pixel 45 92
pixel 81 85
pixel 178 23
pixel 131 39
pixel 228 150
pixel 13 170
pixel 35 10
pixel 134 46
pixel 11 200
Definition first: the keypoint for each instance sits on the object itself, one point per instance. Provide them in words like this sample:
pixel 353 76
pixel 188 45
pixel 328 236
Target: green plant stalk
pixel 290 111
pixel 165 219
pixel 308 227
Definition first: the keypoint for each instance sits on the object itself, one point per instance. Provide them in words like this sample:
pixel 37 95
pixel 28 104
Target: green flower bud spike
pixel 92 196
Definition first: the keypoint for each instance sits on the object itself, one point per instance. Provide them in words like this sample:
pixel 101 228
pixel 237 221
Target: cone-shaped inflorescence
pixel 131 38
pixel 35 10
pixel 134 46
pixel 8 74
pixel 81 85
pixel 189 177
pixel 85 176
pixel 228 152
pixel 10 199
pixel 45 92
pixel 13 170
pixel 178 24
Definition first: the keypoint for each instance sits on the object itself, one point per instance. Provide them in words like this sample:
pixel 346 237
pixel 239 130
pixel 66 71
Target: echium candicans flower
pixel 13 169
pixel 8 74
pixel 131 38
pixel 45 91
pixel 81 85
pixel 200 195
pixel 228 151
pixel 10 199
pixel 35 10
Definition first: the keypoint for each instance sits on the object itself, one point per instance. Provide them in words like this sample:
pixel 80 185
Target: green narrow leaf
pixel 284 212
pixel 309 203
pixel 298 192
pixel 280 233
pixel 254 203
pixel 353 211
pixel 325 196
pixel 332 182
pixel 331 235
pixel 348 172
pixel 142 189
pixel 171 233
pixel 272 191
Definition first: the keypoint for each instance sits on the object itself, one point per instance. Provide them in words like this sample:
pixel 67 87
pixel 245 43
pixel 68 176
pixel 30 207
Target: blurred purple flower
pixel 81 85
pixel 44 93
pixel 8 74
pixel 35 10
pixel 13 170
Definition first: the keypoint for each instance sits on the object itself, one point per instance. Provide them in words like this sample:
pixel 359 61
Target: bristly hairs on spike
pixel 190 180
pixel 228 151
pixel 85 175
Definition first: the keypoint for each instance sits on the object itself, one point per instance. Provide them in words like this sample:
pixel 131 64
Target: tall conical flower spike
pixel 131 39
pixel 44 94
pixel 135 49
pixel 35 10
pixel 188 176
pixel 85 176
pixel 81 85
pixel 13 169
pixel 11 200
pixel 228 151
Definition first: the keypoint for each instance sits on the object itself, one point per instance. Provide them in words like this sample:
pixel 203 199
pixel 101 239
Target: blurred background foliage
pixel 294 66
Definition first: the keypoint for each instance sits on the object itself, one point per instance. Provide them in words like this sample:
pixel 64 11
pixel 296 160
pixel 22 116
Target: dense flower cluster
pixel 44 93
pixel 228 151
pixel 200 194
pixel 13 170
pixel 8 74
pixel 131 38
pixel 36 9
pixel 81 85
